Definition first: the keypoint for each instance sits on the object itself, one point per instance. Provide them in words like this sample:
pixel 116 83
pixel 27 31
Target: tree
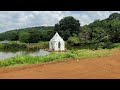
pixel 114 31
pixel 85 35
pixel 100 38
pixel 33 37
pixel 45 33
pixel 15 35
pixel 73 40
pixel 24 36
pixel 29 37
pixel 67 24
pixel 96 23
pixel 114 16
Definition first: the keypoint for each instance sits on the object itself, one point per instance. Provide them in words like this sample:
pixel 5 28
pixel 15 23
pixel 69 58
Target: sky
pixel 10 20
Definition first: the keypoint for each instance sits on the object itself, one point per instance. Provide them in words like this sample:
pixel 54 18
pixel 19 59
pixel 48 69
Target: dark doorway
pixel 59 45
pixel 52 46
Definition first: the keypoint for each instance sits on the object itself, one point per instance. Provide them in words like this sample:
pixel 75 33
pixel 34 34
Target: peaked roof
pixel 56 37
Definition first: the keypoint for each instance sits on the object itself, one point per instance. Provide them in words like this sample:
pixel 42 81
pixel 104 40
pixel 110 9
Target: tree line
pixel 29 35
pixel 100 33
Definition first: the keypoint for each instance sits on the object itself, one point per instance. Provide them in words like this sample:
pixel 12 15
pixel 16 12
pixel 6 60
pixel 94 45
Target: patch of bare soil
pixel 89 68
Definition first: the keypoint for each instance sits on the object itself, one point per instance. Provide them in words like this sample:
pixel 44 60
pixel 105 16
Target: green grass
pixel 1 46
pixel 91 47
pixel 16 46
pixel 116 45
pixel 84 53
pixel 39 45
pixel 14 42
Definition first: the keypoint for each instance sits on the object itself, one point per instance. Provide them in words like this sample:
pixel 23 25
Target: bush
pixel 14 46
pixel 103 45
pixel 22 46
pixel 108 45
pixel 39 45
pixel 116 45
pixel 6 46
pixel 1 46
pixel 73 40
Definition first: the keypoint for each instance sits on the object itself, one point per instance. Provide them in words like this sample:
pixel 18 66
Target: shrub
pixel 116 45
pixel 14 46
pixel 108 45
pixel 1 46
pixel 73 40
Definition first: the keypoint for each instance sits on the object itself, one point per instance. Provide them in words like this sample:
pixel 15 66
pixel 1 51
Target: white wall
pixel 54 45
pixel 50 47
pixel 62 46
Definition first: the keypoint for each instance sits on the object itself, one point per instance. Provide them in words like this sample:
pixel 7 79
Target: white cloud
pixel 20 19
pixel 85 19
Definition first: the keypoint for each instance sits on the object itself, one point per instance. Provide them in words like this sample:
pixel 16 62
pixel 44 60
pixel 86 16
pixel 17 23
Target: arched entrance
pixel 52 46
pixel 59 45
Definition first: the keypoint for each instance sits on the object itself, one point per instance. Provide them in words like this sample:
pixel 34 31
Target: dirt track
pixel 92 68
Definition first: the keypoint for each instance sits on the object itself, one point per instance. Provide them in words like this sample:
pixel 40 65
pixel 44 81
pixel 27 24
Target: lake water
pixel 8 54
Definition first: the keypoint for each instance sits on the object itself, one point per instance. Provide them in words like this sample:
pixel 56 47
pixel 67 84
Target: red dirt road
pixel 91 68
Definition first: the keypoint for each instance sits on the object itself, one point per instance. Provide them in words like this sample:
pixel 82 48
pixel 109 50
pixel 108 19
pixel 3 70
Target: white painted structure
pixel 56 43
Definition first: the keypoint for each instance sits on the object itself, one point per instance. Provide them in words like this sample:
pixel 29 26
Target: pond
pixel 8 54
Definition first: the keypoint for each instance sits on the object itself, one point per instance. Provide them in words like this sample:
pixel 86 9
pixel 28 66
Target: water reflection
pixel 8 54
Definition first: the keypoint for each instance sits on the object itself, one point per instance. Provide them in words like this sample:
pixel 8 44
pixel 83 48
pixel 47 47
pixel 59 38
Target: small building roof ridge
pixel 56 37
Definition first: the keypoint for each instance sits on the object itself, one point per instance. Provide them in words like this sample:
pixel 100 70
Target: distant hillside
pixel 46 32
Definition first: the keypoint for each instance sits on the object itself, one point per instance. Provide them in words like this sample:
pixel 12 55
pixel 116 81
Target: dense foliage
pixel 73 40
pixel 13 46
pixel 41 33
pixel 68 26
pixel 102 33
pixel 23 37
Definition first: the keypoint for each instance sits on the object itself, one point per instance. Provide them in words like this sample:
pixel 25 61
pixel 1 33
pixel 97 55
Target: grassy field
pixel 84 53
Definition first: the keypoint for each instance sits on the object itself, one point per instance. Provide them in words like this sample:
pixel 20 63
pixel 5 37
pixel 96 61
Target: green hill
pixel 45 32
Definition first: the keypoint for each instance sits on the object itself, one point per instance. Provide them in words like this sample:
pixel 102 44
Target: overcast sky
pixel 10 20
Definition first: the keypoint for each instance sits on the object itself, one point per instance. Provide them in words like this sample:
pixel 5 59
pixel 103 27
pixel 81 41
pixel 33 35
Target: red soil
pixel 90 68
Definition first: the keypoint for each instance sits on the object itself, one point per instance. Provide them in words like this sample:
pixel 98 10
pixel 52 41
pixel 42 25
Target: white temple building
pixel 56 43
